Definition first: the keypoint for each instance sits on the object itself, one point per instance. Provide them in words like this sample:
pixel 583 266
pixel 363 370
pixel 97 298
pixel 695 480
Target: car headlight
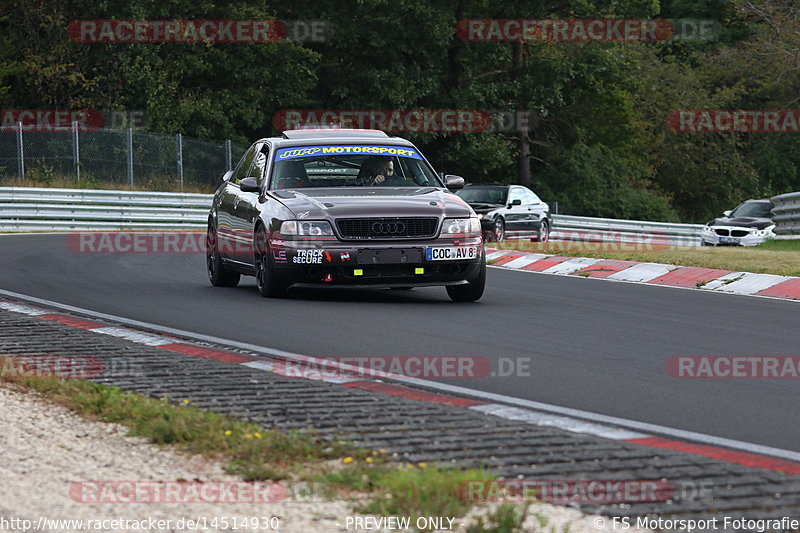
pixel 708 229
pixel 480 216
pixel 306 228
pixel 461 225
pixel 766 232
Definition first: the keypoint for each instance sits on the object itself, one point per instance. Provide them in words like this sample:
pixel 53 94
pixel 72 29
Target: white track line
pixel 139 337
pixel 562 422
pixel 21 308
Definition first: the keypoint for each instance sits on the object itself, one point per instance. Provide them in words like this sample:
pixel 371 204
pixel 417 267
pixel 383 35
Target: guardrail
pixel 611 230
pixel 34 209
pixel 787 215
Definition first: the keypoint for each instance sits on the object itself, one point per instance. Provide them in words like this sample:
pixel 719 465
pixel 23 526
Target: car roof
pixel 335 136
pixel 488 185
pixel 765 200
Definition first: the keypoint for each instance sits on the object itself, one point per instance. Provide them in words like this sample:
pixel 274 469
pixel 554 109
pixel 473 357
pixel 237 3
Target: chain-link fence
pixel 113 157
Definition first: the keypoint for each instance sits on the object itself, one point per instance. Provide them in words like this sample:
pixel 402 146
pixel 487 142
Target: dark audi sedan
pixel 509 212
pixel 343 208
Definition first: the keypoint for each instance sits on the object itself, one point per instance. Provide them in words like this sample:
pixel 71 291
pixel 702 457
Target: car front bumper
pixel 712 239
pixel 374 264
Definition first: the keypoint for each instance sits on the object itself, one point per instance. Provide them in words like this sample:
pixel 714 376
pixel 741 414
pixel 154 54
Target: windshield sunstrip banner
pixel 296 152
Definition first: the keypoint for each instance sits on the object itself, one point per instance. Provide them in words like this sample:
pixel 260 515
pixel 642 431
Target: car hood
pixel 743 222
pixel 482 208
pixel 356 202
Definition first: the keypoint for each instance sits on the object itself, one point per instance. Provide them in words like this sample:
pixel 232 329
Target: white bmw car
pixel 749 224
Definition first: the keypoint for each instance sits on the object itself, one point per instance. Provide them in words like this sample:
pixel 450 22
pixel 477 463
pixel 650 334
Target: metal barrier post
pixel 76 151
pixel 20 153
pixel 130 156
pixel 179 144
pixel 228 164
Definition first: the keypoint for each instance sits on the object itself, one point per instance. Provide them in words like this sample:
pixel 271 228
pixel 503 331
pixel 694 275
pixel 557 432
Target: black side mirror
pixel 514 202
pixel 249 185
pixel 453 182
pixel 227 175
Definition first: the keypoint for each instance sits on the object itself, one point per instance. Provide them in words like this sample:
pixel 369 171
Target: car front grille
pixel 732 233
pixel 387 228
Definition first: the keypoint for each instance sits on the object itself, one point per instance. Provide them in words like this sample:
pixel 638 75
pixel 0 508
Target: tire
pixel 499 229
pixel 217 274
pixel 544 232
pixel 473 290
pixel 266 281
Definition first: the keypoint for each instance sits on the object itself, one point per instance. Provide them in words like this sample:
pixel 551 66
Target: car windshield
pixel 351 166
pixel 484 195
pixel 753 210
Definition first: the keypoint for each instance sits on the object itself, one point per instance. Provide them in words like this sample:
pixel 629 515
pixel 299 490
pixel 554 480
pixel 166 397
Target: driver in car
pixel 376 170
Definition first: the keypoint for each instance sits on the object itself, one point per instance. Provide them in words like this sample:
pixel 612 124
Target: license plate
pixel 390 256
pixel 729 240
pixel 451 253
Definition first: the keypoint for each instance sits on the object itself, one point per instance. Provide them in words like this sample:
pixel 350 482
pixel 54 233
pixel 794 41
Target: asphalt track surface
pixel 594 345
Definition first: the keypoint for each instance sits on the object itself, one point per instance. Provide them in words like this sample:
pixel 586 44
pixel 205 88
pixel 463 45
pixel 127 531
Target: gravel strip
pixel 46 448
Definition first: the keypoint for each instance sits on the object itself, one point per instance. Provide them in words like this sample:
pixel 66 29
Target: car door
pixel 246 209
pixel 515 214
pixel 536 210
pixel 228 227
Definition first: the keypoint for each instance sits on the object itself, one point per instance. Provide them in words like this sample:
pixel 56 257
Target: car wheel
pixel 473 290
pixel 266 281
pixel 499 230
pixel 217 274
pixel 544 232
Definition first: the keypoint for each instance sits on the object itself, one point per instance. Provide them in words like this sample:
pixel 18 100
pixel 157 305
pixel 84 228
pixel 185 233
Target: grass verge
pixel 255 453
pixel 772 257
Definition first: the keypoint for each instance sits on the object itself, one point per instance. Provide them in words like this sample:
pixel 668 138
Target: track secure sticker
pixel 308 257
pixel 284 154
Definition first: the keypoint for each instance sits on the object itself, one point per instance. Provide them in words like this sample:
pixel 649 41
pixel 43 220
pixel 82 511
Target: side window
pixel 516 194
pixel 244 165
pixel 530 197
pixel 260 163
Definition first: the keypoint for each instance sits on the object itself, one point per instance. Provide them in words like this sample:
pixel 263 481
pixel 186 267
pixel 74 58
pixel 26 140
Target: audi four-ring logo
pixel 388 228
